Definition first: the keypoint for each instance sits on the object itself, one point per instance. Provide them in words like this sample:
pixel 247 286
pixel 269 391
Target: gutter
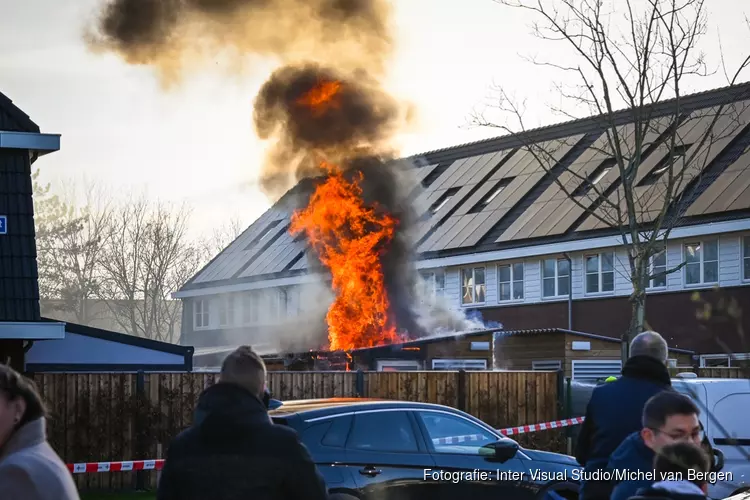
pixel 38 144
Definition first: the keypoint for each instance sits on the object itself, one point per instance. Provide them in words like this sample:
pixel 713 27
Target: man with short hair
pixel 668 418
pixel 233 450
pixel 682 470
pixel 616 407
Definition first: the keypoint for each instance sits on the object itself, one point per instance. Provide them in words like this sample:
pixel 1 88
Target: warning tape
pixel 511 431
pixel 116 466
pixel 134 465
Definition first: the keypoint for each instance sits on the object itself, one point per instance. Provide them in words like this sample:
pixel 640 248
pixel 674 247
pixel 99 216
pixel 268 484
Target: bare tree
pixel 221 238
pixel 148 257
pixel 630 67
pixel 70 241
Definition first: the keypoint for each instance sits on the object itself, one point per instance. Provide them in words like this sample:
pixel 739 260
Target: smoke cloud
pixel 335 51
pixel 178 35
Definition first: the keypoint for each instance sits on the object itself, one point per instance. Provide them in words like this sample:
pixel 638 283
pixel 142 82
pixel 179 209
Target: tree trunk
pixel 637 320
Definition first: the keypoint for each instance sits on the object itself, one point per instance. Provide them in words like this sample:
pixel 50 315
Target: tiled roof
pixel 493 194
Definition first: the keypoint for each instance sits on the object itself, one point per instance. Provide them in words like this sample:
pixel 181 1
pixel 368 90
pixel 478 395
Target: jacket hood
pixel 632 454
pixel 231 404
pixel 674 490
pixel 646 368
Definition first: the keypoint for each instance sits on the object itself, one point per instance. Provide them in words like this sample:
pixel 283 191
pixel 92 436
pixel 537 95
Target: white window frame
pixel 591 362
pixel 253 298
pixel 547 365
pixel 599 273
pixel 226 306
pixel 399 364
pixel 204 311
pixel 513 280
pixel 744 258
pixel 652 267
pixel 742 356
pixel 702 244
pixel 557 277
pixel 459 364
pixel 431 282
pixel 473 270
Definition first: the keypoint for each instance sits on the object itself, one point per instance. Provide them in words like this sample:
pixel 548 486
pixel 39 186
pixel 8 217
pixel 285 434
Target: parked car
pixel 375 449
pixel 727 428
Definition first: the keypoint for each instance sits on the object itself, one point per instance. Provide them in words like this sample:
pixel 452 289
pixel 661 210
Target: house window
pixel 555 277
pixel 600 273
pixel 547 366
pixel 595 176
pixel 250 307
pixel 272 306
pixel 434 283
pixel 499 187
pixel 459 364
pixel 226 310
pixel 702 262
pixel 510 282
pixel 658 269
pixel 473 285
pixel 397 365
pixel 746 258
pixel 591 369
pixel 200 314
pixel 669 159
pixel 443 200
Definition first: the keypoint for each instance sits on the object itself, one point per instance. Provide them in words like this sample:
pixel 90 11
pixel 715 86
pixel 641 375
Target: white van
pixel 725 415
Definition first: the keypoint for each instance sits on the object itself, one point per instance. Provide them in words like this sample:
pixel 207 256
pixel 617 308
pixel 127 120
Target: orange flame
pixel 321 97
pixel 349 238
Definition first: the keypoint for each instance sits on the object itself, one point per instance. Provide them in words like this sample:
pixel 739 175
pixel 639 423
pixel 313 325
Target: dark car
pixel 384 450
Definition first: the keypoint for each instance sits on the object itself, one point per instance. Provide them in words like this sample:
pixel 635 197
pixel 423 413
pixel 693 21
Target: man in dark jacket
pixel 616 408
pixel 668 418
pixel 682 473
pixel 233 450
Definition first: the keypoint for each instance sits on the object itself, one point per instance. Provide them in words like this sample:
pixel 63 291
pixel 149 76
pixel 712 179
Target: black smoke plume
pixel 359 120
pixel 175 35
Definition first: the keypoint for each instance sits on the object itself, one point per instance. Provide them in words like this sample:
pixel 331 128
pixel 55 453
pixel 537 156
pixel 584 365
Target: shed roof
pixel 500 333
pixel 495 195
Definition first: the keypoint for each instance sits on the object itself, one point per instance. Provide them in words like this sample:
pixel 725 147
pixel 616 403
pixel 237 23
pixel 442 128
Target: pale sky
pixel 196 144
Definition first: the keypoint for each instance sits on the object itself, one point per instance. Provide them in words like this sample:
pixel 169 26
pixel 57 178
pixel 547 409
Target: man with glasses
pixel 668 418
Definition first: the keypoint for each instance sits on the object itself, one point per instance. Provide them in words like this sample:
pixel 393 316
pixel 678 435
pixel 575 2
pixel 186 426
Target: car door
pixel 456 444
pixel 386 455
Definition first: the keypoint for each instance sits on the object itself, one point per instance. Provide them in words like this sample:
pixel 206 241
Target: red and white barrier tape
pixel 116 466
pixel 511 431
pixel 159 464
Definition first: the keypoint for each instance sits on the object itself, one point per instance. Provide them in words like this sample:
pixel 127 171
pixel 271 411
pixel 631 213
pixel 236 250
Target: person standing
pixel 615 409
pixel 233 449
pixel 29 467
pixel 682 472
pixel 668 418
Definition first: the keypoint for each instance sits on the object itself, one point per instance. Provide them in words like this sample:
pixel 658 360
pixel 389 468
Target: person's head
pixel 20 402
pixel 650 344
pixel 670 417
pixel 244 367
pixel 678 459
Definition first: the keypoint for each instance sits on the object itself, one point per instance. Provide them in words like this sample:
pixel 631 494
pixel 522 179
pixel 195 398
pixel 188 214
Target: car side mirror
pixel 718 460
pixel 500 451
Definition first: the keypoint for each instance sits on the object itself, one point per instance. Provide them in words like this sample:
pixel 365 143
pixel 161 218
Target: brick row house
pixel 499 237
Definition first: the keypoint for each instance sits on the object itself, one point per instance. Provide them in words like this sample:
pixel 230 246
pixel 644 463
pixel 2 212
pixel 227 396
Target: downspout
pixel 570 291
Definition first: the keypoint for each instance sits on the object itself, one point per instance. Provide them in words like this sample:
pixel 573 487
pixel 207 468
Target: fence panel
pixel 114 416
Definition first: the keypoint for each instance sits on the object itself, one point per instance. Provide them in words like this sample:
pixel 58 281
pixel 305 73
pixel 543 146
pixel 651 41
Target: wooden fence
pixel 115 416
pixel 715 372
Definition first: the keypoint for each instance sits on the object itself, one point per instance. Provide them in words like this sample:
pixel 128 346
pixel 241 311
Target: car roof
pixel 313 408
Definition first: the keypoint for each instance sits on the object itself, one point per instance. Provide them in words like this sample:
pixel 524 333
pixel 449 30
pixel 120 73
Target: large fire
pixel 349 238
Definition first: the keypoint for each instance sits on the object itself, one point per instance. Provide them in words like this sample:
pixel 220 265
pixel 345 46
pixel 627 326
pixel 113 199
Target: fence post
pixel 359 384
pixel 140 391
pixel 568 410
pixel 462 390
